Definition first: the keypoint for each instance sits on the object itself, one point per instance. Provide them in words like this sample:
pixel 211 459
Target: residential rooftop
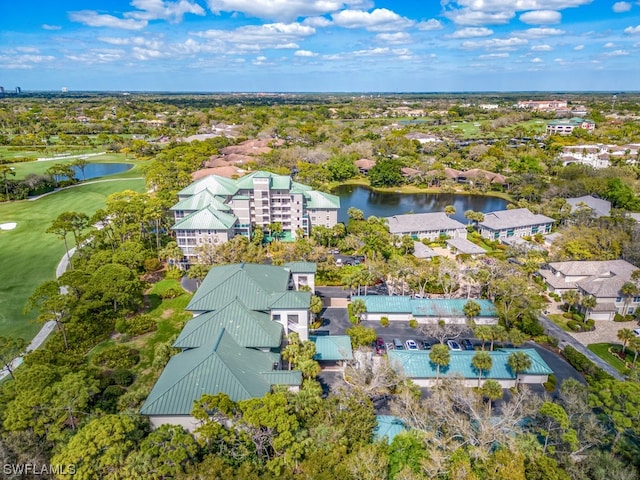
pixel 424 307
pixel 515 218
pixel 422 222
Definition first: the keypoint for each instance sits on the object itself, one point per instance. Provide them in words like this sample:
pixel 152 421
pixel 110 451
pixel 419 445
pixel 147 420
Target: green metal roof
pixel 332 347
pixel 276 182
pixel 256 286
pixel 214 183
pixel 316 199
pixel 248 328
pixel 222 366
pixel 302 267
pixel 206 219
pixel 201 200
pixel 388 427
pixel 423 307
pixel 416 364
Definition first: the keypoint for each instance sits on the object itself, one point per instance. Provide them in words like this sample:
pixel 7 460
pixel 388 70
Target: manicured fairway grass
pixel 28 255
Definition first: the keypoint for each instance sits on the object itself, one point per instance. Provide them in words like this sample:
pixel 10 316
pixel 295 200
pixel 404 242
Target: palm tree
pixel 589 302
pixel 571 298
pixel 483 333
pixel 634 344
pixel 469 215
pixel 482 361
pixel 492 390
pixel 358 307
pixel 628 290
pixel 5 170
pixel 471 309
pixel 449 210
pixel 519 362
pixel 439 355
pixel 625 335
pixel 498 333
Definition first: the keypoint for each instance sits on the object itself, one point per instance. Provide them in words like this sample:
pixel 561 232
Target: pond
pixel 385 204
pixel 95 170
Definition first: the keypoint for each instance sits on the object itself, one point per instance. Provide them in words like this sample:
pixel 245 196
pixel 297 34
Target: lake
pixel 387 204
pixel 95 170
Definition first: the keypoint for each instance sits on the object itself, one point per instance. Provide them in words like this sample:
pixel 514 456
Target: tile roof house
pixel 424 310
pixel 418 367
pixel 232 344
pixel 602 279
pixel 431 226
pixel 214 209
pixel 519 222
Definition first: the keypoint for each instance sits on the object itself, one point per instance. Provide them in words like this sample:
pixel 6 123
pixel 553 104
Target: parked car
pixel 397 344
pixel 381 346
pixel 466 343
pixel 636 332
pixel 339 262
pixel 411 345
pixel 426 345
pixel 453 345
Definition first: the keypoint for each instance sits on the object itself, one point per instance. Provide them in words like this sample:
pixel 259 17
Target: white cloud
pixel 542 48
pixel 378 20
pixel 397 38
pixel 285 10
pixel 616 53
pixel 467 16
pixel 489 56
pixel 496 43
pixel 51 27
pixel 541 17
pixel 24 62
pixel 161 10
pixel 304 53
pixel 537 60
pixel 542 32
pixel 431 24
pixel 609 45
pixel 577 48
pixel 137 41
pixel 98 55
pixel 318 22
pixel 471 32
pixel 632 30
pixel 94 19
pixel 621 7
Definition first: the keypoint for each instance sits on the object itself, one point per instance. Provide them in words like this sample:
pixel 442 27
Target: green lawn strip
pixel 602 350
pixel 29 255
pixel 560 321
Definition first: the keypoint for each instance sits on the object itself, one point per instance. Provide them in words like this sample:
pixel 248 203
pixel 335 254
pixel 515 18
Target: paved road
pixel 555 331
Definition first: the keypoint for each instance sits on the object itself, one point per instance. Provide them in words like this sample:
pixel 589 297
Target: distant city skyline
pixel 322 45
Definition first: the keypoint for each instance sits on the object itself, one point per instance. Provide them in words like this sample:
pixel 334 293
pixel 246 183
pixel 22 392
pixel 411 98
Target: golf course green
pixel 29 255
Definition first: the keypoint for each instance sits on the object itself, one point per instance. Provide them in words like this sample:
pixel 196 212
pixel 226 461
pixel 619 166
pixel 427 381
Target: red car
pixel 381 346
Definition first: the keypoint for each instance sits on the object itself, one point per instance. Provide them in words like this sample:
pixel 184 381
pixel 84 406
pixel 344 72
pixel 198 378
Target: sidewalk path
pixel 555 331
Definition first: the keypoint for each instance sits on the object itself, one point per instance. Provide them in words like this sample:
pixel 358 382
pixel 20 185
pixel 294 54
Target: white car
pixel 636 332
pixel 411 345
pixel 453 345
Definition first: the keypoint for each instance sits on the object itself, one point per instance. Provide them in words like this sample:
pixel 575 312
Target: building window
pixel 636 299
pixel 292 318
pixel 619 299
pixel 276 318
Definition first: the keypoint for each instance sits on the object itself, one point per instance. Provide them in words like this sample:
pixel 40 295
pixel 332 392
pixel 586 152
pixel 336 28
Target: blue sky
pixel 321 45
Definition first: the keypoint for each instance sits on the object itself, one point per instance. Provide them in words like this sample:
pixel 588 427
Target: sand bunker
pixel 7 226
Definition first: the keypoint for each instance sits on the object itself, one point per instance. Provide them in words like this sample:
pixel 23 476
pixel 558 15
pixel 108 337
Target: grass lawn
pixel 602 350
pixel 560 321
pixel 28 255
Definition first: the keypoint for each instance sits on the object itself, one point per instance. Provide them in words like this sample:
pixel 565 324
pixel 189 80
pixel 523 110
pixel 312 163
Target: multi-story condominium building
pixel 519 222
pixel 232 344
pixel 543 105
pixel 602 279
pixel 431 226
pixel 214 209
pixel 599 155
pixel 567 126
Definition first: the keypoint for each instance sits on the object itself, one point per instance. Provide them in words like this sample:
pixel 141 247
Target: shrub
pixel 578 317
pixel 585 366
pixel 550 384
pixel 123 377
pixel 152 265
pixel 162 353
pixel 575 326
pixel 118 356
pixel 555 296
pixel 591 325
pixel 413 323
pixel 136 325
pixel 174 274
pixel 384 321
pixel 568 315
pixel 619 318
pixel 171 292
